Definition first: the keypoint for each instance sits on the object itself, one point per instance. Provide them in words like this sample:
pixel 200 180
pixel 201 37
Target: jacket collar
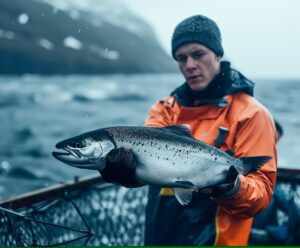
pixel 227 82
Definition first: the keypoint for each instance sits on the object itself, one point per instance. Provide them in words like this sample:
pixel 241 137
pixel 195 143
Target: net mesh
pixel 114 216
pixel 279 224
pixel 94 216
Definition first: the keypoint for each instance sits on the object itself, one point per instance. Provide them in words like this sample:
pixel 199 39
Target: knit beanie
pixel 198 29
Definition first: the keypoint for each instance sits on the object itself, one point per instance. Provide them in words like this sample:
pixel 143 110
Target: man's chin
pixel 197 86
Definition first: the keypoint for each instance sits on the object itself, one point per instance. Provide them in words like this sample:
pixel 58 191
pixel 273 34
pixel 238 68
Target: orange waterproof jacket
pixel 251 133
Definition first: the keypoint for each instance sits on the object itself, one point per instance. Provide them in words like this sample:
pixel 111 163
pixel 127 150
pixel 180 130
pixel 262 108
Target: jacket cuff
pixel 229 194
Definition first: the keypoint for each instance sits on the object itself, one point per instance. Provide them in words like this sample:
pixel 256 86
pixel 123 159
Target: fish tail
pixel 252 164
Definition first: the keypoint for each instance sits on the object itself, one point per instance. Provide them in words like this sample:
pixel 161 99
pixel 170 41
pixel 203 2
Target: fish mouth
pixel 74 159
pixel 58 154
pixel 68 156
pixel 67 153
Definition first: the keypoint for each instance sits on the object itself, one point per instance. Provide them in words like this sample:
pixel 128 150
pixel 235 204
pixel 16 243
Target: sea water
pixel 36 112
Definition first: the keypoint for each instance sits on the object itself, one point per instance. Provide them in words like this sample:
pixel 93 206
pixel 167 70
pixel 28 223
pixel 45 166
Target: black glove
pixel 226 189
pixel 120 168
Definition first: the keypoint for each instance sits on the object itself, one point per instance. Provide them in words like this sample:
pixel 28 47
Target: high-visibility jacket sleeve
pixel 256 136
pixel 160 115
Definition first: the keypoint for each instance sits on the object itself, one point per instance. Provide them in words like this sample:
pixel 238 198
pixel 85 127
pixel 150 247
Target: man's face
pixel 198 64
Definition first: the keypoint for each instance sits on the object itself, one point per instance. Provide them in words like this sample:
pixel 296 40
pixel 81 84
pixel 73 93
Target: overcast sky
pixel 260 37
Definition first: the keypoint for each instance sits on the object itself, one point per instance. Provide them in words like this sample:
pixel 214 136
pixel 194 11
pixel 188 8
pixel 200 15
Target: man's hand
pixel 228 188
pixel 120 168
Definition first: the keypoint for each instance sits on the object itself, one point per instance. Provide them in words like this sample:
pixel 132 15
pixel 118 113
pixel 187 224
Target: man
pixel 216 101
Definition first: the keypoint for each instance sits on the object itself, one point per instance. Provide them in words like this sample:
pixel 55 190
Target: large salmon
pixel 166 157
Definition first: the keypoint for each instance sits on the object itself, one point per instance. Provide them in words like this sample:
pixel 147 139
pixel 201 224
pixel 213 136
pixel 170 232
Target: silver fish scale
pixel 163 155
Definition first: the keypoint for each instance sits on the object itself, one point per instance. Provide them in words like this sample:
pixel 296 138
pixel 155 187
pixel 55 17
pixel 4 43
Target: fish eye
pixel 77 145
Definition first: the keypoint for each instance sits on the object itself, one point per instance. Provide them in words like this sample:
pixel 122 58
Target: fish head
pixel 86 151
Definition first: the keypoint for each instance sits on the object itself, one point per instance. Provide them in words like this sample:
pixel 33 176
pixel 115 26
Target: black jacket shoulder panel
pixel 240 84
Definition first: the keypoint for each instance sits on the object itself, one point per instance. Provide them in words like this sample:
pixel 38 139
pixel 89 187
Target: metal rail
pixel 58 190
pixel 286 175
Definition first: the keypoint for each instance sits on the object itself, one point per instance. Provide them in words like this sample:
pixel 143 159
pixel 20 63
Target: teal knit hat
pixel 198 29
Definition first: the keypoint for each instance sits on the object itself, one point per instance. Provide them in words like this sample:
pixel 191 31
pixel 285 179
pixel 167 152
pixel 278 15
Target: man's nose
pixel 190 63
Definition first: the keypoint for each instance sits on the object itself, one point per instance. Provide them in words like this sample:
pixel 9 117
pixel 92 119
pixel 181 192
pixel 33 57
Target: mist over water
pixel 37 112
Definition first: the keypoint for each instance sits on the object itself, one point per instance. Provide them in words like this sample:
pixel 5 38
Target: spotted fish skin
pixel 166 157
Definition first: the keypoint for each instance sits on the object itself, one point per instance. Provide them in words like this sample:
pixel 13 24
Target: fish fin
pixel 183 196
pixel 186 184
pixel 252 164
pixel 232 173
pixel 183 129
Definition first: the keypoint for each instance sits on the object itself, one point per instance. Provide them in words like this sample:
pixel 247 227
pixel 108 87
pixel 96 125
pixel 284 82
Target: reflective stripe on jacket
pixel 251 133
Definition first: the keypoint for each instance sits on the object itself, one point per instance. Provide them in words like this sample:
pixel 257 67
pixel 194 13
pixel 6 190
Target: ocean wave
pixel 9 100
pixel 19 172
pixel 89 95
pixel 129 97
pixel 24 134
pixel 98 96
pixel 52 98
pixel 34 152
pixel 23 173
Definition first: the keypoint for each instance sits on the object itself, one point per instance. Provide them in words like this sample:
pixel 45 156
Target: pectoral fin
pixel 184 196
pixel 186 184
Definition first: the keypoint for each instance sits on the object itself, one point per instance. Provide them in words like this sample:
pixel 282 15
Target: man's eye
pixel 181 59
pixel 197 56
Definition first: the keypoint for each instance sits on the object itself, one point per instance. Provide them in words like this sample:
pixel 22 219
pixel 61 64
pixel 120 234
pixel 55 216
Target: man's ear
pixel 219 58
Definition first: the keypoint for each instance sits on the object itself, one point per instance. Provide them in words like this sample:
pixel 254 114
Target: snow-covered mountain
pixel 70 36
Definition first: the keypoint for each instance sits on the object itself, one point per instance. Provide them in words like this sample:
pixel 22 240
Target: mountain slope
pixel 81 37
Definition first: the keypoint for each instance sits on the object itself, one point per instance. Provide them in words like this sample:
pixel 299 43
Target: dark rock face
pixel 38 37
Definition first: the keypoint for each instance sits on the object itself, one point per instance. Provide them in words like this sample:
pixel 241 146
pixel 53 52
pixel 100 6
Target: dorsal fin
pixel 182 129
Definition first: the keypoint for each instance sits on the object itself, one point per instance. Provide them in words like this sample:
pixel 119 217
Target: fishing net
pixel 102 214
pixel 279 224
pixel 95 216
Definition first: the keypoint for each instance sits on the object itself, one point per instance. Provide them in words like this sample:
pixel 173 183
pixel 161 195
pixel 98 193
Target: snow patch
pixel 7 34
pixel 105 53
pixel 96 22
pixel 58 4
pixel 72 42
pixel 74 14
pixel 115 12
pixel 48 45
pixel 23 18
pixel 54 10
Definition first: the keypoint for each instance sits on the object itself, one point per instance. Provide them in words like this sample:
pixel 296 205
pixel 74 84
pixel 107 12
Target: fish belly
pixel 172 171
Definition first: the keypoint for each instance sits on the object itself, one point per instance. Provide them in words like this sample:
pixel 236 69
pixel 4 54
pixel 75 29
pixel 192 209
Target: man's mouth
pixel 194 77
